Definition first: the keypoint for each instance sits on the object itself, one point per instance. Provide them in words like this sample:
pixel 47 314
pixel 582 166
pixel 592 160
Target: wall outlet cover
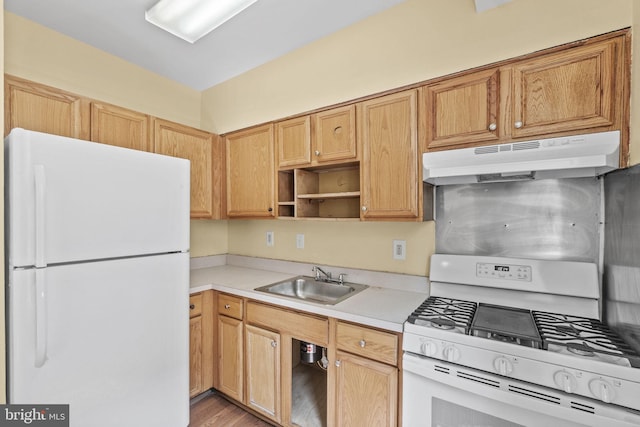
pixel 400 249
pixel 270 241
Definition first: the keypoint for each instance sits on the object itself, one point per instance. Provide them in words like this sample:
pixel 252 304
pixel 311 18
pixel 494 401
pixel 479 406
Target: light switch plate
pixel 400 249
pixel 300 241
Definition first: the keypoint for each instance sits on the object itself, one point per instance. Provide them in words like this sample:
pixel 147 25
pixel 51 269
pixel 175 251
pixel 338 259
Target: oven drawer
pixel 369 343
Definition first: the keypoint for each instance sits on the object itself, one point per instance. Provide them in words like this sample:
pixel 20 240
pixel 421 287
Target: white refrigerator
pixel 97 280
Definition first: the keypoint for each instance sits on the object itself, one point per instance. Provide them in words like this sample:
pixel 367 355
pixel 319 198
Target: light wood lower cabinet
pixel 358 388
pixel 366 392
pixel 200 342
pixel 263 371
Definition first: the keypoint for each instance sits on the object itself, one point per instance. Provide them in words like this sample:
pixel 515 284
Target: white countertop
pixel 380 307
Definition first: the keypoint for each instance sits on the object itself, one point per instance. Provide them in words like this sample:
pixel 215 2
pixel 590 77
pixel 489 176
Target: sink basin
pixel 309 289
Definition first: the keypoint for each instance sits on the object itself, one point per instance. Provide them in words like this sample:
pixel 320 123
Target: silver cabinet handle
pixel 493 126
pixel 517 125
pixel 274 344
pixel 227 306
pixel 337 363
pixel 364 209
pixel 363 343
pixel 317 152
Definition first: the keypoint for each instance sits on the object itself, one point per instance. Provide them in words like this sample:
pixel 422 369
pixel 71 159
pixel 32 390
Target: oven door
pixel 440 394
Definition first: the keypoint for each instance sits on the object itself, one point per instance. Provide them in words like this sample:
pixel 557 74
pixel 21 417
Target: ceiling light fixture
pixel 192 19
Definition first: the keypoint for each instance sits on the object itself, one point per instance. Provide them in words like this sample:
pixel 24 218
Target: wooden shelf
pixel 342 195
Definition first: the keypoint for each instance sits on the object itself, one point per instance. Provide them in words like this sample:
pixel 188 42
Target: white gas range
pixel 513 342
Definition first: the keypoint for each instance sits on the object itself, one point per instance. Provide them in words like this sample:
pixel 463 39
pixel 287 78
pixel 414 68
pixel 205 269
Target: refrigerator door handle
pixel 40 215
pixel 41 318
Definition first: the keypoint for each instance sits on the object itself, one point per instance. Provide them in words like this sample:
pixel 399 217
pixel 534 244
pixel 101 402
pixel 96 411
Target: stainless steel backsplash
pixel 621 278
pixel 557 219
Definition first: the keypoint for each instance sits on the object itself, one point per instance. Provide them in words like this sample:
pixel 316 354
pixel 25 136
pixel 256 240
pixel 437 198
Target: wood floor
pixel 212 410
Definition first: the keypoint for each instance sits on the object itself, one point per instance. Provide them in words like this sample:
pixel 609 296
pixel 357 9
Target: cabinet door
pixel 195 145
pixel 335 135
pixel 42 108
pixel 230 357
pixel 195 356
pixel 462 110
pixel 367 392
pixel 293 138
pixel 388 128
pixel 118 126
pixel 566 91
pixel 263 371
pixel 251 173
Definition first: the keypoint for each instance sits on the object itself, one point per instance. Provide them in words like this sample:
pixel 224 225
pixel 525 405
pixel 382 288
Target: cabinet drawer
pixel 230 306
pixel 370 343
pixel 195 305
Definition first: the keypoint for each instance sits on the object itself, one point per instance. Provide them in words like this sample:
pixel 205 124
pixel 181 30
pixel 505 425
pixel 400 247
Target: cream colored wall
pixel 37 53
pixel 209 238
pixel 367 245
pixel 412 42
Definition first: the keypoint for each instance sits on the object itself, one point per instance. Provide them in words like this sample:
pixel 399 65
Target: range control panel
pixel 504 271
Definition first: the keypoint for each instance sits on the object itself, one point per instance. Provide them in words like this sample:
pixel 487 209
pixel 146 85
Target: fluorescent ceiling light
pixel 193 19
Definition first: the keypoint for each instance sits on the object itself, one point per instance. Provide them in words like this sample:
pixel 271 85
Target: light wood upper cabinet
pixel 463 109
pixel 327 137
pixel 41 108
pixel 251 173
pixel 583 88
pixel 197 146
pixel 335 135
pixel 567 91
pixel 388 133
pixel 294 141
pixel 119 126
pixel 263 371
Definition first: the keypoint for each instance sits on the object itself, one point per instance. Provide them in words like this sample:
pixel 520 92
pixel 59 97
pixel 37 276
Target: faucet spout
pixel 320 271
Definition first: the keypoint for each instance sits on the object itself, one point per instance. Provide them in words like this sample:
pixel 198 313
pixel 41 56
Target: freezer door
pixel 108 338
pixel 72 200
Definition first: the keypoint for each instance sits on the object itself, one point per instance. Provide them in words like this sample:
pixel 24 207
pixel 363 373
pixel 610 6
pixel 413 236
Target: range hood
pixel 564 157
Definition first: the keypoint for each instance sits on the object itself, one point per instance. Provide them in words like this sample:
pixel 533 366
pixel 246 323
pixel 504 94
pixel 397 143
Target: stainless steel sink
pixel 310 289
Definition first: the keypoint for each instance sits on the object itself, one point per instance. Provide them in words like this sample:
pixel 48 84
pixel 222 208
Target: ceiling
pixel 263 32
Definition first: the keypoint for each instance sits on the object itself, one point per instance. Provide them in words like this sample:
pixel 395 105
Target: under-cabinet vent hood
pixel 564 157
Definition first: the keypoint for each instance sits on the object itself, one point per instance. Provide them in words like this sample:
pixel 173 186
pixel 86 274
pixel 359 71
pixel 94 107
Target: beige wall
pixel 3 376
pixel 414 41
pixel 36 53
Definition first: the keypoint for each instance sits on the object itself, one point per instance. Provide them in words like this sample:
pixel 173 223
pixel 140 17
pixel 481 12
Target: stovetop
pixel 559 333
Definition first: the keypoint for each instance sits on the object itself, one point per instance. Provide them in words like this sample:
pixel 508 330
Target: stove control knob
pixel 502 365
pixel 451 353
pixel 565 381
pixel 428 348
pixel 602 390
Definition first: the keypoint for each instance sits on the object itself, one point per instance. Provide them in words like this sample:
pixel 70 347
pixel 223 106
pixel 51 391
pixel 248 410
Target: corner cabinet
pixel 250 173
pixel 388 132
pixel 201 149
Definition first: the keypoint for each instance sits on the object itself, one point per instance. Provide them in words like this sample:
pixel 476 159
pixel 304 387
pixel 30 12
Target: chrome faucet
pixel 327 276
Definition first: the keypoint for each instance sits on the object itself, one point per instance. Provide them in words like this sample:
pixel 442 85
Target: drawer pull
pixel 338 363
pixel 274 344
pixel 192 306
pixel 227 306
pixel 363 343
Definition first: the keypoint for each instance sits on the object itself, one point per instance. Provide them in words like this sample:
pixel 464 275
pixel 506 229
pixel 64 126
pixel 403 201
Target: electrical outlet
pixel 400 249
pixel 300 241
pixel 270 241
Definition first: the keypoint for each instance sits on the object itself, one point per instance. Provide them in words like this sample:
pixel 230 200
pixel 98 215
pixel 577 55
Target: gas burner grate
pixel 444 313
pixel 582 336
